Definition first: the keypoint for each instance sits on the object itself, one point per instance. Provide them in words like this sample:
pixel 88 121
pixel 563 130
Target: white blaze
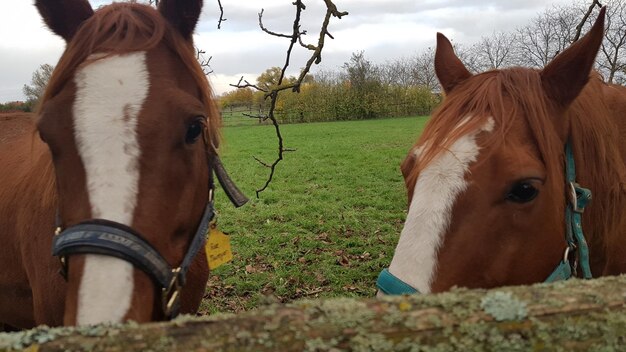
pixel 109 95
pixel 436 189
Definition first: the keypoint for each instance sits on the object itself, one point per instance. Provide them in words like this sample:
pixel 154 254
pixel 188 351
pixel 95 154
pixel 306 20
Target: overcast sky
pixel 384 29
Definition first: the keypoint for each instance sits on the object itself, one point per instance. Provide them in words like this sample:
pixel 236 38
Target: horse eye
pixel 522 192
pixel 194 131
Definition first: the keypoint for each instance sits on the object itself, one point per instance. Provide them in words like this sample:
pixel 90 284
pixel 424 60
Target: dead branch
pixel 204 63
pixel 579 28
pixel 273 92
pixel 222 19
pixel 247 84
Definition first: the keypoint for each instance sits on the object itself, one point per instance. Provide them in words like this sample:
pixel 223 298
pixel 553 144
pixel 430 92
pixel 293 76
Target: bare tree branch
pixel 204 63
pixel 222 19
pixel 247 84
pixel 271 32
pixel 579 27
pixel 273 92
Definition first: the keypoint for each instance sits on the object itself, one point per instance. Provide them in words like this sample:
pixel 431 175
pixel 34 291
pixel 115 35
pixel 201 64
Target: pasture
pixel 329 220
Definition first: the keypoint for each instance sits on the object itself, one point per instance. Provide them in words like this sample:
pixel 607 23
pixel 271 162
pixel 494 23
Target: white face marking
pixel 109 95
pixel 436 190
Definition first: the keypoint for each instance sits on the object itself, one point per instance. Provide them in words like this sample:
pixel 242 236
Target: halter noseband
pixel 576 251
pixel 110 238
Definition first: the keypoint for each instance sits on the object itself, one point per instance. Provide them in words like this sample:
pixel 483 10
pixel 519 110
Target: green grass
pixel 329 220
pixel 238 119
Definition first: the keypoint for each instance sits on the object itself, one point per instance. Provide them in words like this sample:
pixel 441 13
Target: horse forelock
pixel 499 95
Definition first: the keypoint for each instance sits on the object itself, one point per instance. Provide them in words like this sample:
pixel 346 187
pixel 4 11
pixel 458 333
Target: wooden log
pixel 569 316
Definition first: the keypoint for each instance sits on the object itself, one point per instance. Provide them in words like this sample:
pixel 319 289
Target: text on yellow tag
pixel 217 248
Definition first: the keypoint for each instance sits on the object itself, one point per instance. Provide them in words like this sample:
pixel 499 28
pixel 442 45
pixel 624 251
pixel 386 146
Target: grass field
pixel 328 222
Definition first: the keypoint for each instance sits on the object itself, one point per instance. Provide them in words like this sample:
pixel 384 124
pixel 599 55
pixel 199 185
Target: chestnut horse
pixel 491 201
pixel 127 128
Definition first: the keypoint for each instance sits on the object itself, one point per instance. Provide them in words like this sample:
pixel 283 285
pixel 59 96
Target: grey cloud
pixel 470 19
pixel 17 67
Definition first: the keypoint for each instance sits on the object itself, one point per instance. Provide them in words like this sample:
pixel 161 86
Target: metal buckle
pixel 570 257
pixel 566 255
pixel 171 294
pixel 573 198
pixel 62 258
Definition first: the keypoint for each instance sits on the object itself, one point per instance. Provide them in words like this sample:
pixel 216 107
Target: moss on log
pixel 567 316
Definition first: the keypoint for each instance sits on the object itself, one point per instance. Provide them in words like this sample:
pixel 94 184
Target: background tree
pixel 423 69
pixel 494 51
pixel 546 35
pixel 612 57
pixel 271 77
pixel 38 84
pixel 237 98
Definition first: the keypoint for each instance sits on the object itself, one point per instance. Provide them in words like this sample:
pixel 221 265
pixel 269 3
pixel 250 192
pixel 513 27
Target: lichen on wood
pixel 567 316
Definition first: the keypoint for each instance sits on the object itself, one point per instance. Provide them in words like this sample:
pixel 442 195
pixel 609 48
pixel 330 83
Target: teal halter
pixel 576 252
pixel 578 198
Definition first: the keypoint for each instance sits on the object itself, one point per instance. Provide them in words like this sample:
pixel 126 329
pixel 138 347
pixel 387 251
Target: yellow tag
pixel 217 248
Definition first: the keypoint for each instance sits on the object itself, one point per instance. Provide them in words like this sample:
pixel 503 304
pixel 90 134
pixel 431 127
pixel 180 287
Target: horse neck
pixel 37 187
pixel 600 153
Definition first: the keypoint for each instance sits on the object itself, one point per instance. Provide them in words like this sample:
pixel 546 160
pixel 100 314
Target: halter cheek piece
pixel 105 237
pixel 576 251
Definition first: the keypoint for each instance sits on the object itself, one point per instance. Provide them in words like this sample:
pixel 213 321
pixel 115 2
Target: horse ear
pixel 64 17
pixel 566 75
pixel 183 15
pixel 448 67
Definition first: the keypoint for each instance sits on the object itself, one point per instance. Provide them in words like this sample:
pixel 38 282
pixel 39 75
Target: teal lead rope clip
pixel 578 198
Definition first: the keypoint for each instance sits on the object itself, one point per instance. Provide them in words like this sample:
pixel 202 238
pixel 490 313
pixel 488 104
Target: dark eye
pixel 522 192
pixel 194 131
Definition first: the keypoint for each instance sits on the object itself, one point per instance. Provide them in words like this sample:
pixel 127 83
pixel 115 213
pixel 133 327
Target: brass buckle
pixel 171 294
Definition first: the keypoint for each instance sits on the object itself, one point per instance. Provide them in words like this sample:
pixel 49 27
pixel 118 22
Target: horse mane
pixel 599 163
pixel 594 138
pixel 121 28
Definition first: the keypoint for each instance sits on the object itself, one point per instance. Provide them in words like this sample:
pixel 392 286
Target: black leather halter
pixel 110 238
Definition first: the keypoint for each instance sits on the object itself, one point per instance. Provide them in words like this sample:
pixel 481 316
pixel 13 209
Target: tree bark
pixel 569 316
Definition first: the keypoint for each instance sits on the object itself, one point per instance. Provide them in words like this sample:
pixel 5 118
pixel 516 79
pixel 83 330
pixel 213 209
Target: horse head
pixel 131 126
pixel 486 180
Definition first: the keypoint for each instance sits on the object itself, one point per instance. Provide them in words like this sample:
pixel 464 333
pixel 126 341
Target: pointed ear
pixel 449 69
pixel 566 75
pixel 182 14
pixel 64 17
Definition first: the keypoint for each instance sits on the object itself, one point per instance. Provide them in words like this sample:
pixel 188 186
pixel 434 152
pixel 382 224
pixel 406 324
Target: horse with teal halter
pixel 576 252
pixel 500 181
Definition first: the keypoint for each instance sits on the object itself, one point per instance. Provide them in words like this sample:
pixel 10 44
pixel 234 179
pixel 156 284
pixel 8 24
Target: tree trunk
pixel 569 316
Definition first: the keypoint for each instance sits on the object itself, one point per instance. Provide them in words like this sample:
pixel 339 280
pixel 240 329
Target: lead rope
pixel 578 198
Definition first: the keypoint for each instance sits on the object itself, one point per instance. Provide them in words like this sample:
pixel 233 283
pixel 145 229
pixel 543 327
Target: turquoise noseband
pixel 576 252
pixel 389 284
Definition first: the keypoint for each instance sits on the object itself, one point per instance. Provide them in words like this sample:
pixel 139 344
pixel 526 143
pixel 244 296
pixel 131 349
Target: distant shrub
pixel 15 106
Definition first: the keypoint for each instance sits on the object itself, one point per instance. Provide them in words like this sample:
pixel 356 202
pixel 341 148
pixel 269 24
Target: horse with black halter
pixel 500 182
pixel 122 170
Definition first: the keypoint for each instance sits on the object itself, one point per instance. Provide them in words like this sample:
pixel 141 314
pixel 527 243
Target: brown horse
pixel 487 184
pixel 125 126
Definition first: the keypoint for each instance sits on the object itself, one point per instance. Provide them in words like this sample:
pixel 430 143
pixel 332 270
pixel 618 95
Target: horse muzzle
pixel 117 240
